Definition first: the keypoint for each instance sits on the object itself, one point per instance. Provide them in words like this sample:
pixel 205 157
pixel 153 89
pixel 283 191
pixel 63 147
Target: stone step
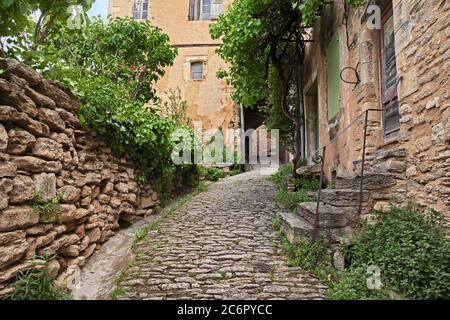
pixel 372 181
pixel 330 216
pixel 310 171
pixel 342 197
pixel 294 227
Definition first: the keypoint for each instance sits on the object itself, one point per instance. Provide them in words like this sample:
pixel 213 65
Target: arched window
pixel 140 9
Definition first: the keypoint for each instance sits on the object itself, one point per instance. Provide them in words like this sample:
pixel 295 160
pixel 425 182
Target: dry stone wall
pixel 47 156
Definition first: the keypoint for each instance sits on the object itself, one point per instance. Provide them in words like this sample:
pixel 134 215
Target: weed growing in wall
pixel 38 282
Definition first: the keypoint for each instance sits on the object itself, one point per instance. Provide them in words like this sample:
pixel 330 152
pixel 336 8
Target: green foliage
pixel 110 68
pixel 21 35
pixel 302 187
pixel 131 54
pixel 262 42
pixel 311 256
pixel 140 180
pixel 411 251
pixel 281 176
pixel 211 173
pixel 292 199
pixel 48 209
pixel 38 282
pixel 202 187
pixel 353 286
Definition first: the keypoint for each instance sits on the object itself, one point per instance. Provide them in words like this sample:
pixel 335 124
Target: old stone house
pixel 194 70
pixel 388 59
pixel 398 64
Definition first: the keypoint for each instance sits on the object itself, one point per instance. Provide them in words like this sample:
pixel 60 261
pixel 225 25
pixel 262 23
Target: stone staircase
pixel 338 208
pixel 339 216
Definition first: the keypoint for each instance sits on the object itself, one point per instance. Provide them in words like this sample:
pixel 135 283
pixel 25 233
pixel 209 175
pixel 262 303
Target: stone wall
pixel 46 153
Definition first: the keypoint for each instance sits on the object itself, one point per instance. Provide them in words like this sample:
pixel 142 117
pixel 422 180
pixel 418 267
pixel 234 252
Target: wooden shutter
pixel 191 10
pixel 389 99
pixel 333 77
pixel 216 8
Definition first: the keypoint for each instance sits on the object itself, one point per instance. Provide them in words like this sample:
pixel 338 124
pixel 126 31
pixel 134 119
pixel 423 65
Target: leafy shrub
pixel 281 176
pixel 110 68
pixel 411 251
pixel 353 286
pixel 38 283
pixel 214 174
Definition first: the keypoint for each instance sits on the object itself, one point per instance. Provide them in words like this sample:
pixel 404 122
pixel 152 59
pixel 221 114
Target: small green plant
pixel 276 223
pixel 202 187
pixel 311 256
pixel 302 187
pixel 38 282
pixel 292 199
pixel 211 173
pixel 140 180
pixel 48 209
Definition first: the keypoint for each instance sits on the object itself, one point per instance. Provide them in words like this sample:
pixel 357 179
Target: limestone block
pixel 33 164
pixel 3 138
pixel 14 218
pixel 47 149
pixel 23 189
pixel 52 119
pixel 7 169
pixel 13 95
pixel 45 185
pixel 8 113
pixel 12 252
pixel 69 194
pixel 20 141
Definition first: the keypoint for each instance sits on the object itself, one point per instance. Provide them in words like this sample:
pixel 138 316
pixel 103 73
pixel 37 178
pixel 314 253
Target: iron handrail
pixel 321 159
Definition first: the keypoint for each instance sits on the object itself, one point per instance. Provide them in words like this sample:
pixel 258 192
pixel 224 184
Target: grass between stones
pixel 140 237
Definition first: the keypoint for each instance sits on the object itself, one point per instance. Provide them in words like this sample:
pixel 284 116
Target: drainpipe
pixel 242 117
pixel 301 111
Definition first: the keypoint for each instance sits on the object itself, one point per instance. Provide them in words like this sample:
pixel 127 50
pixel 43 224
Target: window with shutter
pixel 204 9
pixel 333 77
pixel 389 99
pixel 140 9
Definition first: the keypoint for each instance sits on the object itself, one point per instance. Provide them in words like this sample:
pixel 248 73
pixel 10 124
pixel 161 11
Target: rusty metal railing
pixel 321 159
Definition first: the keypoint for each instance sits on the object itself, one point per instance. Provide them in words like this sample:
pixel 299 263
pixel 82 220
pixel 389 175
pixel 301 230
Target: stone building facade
pixel 47 156
pixel 194 70
pixel 400 64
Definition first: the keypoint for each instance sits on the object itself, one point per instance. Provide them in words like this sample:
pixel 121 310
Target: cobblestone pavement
pixel 220 245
